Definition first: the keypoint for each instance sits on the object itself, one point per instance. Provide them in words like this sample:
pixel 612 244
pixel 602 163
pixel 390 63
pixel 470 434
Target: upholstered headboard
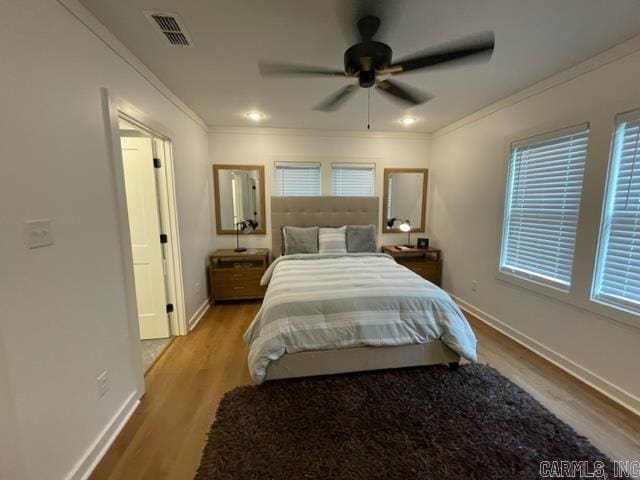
pixel 320 211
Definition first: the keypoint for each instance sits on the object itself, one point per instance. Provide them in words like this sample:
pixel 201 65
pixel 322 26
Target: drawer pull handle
pixel 238 288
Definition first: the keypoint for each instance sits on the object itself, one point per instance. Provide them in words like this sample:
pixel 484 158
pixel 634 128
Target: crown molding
pixel 89 20
pixel 306 132
pixel 622 50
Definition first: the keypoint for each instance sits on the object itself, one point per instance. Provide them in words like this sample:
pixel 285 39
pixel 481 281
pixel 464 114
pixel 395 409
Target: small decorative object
pixel 405 226
pixel 423 243
pixel 244 226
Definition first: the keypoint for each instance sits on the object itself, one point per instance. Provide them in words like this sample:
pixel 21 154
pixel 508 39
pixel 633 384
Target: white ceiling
pixel 218 76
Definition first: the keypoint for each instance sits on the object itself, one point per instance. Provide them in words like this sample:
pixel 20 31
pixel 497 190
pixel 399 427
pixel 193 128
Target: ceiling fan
pixel 371 62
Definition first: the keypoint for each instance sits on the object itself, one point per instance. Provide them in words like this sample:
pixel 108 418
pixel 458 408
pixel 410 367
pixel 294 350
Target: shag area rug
pixel 420 423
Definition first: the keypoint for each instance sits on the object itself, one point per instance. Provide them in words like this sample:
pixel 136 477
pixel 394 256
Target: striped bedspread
pixel 330 301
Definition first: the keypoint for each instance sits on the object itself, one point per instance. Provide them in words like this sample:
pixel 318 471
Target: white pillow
pixel 332 240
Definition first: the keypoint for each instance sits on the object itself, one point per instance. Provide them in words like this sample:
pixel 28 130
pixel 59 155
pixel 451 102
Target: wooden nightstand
pixel 236 275
pixel 426 262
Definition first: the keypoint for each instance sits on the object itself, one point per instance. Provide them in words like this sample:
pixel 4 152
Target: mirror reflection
pixel 239 196
pixel 405 193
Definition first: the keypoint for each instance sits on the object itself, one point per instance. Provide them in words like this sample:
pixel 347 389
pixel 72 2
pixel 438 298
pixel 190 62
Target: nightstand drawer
pixel 428 270
pixel 225 276
pixel 234 290
pixel 426 262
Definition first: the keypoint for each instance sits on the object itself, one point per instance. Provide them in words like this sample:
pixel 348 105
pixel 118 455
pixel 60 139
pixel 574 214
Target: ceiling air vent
pixel 170 27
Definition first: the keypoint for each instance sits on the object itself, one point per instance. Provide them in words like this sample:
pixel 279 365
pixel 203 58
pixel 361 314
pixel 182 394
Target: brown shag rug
pixel 420 423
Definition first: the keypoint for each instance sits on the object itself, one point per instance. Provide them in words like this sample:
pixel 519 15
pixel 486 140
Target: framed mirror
pixel 239 196
pixel 404 198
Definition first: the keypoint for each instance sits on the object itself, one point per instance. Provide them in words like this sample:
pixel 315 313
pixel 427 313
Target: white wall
pixel 264 146
pixel 64 318
pixel 469 162
pixel 10 464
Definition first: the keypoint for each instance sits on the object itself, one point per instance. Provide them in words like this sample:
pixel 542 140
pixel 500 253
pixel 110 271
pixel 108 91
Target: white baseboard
pixel 615 393
pixel 195 319
pixel 92 456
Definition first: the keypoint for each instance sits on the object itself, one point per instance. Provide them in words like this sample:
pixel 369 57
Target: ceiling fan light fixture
pixel 408 120
pixel 255 115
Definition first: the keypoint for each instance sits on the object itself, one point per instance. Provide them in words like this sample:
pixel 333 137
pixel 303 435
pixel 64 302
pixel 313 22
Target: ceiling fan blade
pixel 335 100
pixel 403 93
pixel 274 69
pixel 476 47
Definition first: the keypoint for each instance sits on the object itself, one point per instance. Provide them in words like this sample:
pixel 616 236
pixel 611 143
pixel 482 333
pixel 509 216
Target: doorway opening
pixel 150 201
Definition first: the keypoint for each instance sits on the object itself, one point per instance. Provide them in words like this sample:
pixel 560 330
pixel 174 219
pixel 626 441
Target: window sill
pixel 610 302
pixel 538 286
pixel 544 282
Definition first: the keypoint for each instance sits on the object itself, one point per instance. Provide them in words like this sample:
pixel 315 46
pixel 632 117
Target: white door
pixel 144 224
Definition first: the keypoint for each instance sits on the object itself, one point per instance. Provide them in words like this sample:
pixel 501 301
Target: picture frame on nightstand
pixel 422 242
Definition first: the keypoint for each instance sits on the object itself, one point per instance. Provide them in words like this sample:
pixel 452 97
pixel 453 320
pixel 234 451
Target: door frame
pixel 168 219
pixel 115 108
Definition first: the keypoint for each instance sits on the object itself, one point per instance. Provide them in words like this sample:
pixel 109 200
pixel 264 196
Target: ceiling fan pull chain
pixel 368 109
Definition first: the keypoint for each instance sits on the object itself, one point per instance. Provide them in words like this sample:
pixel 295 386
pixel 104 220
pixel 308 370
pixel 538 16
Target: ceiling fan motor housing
pixel 363 59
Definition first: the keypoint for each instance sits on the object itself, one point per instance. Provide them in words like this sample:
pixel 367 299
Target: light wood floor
pixel 165 436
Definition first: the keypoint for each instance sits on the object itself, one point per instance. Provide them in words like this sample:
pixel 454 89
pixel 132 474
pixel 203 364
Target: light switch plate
pixel 37 233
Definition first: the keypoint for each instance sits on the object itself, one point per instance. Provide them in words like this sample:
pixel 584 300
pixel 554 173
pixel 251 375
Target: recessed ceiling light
pixel 406 121
pixel 254 115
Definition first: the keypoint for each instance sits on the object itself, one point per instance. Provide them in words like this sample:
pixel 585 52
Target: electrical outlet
pixel 474 285
pixel 103 384
pixel 37 233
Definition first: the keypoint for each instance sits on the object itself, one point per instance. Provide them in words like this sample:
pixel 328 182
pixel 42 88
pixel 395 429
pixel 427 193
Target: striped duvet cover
pixel 331 301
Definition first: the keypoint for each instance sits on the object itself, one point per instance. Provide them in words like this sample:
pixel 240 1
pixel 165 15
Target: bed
pixel 337 313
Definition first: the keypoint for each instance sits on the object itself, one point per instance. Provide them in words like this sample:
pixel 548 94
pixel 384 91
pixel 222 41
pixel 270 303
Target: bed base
pixel 329 362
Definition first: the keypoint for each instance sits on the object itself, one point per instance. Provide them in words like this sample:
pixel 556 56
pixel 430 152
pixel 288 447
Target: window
pixel 542 205
pixel 353 179
pixel 297 179
pixel 617 278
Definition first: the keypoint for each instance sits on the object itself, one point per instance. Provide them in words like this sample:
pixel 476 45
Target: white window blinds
pixel 297 179
pixel 353 179
pixel 617 279
pixel 542 205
